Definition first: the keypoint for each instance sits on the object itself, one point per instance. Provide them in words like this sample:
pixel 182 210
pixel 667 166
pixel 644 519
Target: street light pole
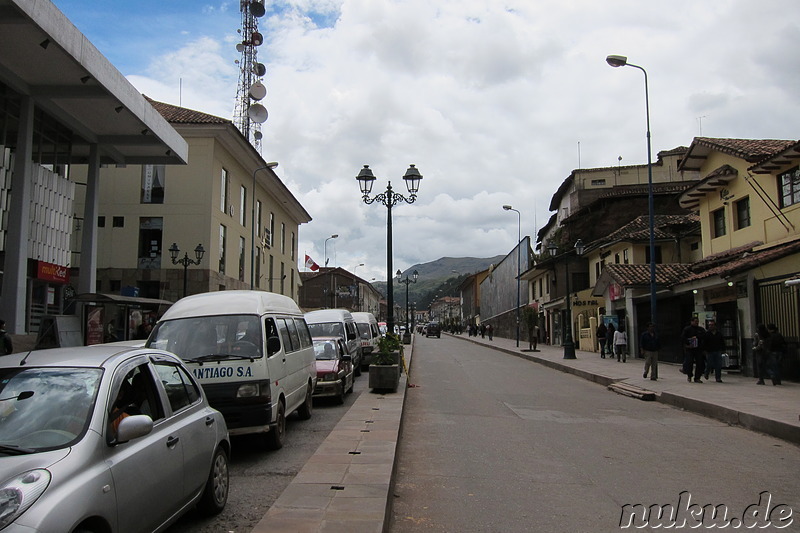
pixel 356 306
pixel 325 247
pixel 185 261
pixel 271 165
pixel 622 61
pixel 389 199
pixel 519 259
pixel 407 282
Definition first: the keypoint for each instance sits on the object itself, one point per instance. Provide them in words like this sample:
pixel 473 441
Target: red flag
pixel 310 264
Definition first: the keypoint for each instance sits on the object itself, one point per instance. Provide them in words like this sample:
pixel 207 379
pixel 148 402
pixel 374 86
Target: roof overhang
pixel 44 56
pixel 690 199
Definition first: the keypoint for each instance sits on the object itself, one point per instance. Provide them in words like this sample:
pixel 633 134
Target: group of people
pixel 483 330
pixel 613 340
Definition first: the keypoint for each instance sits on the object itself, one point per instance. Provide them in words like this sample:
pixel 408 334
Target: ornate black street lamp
pixel 185 261
pixel 622 61
pixel 408 281
pixel 569 344
pixel 389 199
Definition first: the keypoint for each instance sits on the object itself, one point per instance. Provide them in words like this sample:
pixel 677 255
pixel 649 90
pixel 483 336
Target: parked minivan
pixel 252 353
pixel 368 333
pixel 337 322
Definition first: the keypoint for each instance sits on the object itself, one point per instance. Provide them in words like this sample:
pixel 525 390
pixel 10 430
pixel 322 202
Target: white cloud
pixel 494 101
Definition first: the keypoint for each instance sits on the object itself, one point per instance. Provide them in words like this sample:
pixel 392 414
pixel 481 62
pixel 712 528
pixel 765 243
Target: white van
pixel 337 322
pixel 368 333
pixel 252 353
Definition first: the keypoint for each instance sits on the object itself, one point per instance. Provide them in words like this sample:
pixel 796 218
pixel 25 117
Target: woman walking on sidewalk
pixel 601 339
pixel 621 343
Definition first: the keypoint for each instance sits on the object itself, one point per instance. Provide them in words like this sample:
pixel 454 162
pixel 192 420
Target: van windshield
pixel 327 329
pixel 210 337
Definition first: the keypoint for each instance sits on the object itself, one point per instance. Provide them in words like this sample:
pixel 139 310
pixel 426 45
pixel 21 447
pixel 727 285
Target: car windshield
pixel 325 350
pixel 45 408
pixel 327 329
pixel 210 337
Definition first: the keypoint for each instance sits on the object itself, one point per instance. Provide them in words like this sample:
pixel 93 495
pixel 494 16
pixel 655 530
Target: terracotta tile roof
pixel 751 150
pixel 782 159
pixel 180 115
pixel 747 260
pixel 714 260
pixel 664 226
pixel 667 275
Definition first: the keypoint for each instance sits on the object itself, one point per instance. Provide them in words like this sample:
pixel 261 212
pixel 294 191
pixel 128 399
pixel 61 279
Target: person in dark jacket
pixel 693 359
pixel 714 345
pixel 610 339
pixel 760 352
pixel 8 346
pixel 776 346
pixel 649 346
pixel 601 339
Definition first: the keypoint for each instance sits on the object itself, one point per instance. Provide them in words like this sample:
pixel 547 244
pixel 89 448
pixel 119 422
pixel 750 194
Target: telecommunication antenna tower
pixel 249 113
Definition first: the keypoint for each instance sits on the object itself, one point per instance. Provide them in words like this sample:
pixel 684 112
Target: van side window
pixel 375 332
pixel 286 339
pixel 351 331
pixel 290 325
pixel 303 333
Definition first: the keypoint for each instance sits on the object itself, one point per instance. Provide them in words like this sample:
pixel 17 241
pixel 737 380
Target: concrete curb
pixel 347 485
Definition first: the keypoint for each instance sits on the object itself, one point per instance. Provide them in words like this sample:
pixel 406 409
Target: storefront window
pixel 150 232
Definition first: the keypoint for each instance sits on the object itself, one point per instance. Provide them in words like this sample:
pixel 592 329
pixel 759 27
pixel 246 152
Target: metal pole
pixel 569 345
pixel 389 270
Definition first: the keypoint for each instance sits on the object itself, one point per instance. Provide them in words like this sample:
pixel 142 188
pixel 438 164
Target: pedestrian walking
pixel 610 339
pixel 601 339
pixel 621 343
pixel 649 346
pixel 713 344
pixel 8 346
pixel 489 331
pixel 760 352
pixel 483 331
pixel 693 357
pixel 776 346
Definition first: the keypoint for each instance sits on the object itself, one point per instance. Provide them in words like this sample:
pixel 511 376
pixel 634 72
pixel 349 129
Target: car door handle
pixel 209 420
pixel 172 441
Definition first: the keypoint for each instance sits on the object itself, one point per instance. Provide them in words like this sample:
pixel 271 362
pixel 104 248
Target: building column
pixel 15 268
pixel 88 269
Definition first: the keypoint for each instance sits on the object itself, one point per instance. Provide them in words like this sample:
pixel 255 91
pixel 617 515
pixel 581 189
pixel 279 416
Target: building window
pixel 597 270
pixel 694 246
pixel 790 187
pixel 223 191
pixel 291 252
pixel 540 287
pixel 258 218
pixel 625 258
pixel 283 276
pixel 118 222
pixel 743 213
pixel 271 272
pixel 243 206
pixel 150 232
pixel 101 222
pixel 598 183
pixel 283 239
pixel 647 255
pixel 115 285
pixel 270 231
pixel 718 223
pixel 241 258
pixel 616 258
pixel 153 184
pixel 223 233
pixel 259 259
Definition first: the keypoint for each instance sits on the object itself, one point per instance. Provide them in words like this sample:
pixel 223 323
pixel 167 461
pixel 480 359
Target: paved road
pixel 492 442
pixel 258 476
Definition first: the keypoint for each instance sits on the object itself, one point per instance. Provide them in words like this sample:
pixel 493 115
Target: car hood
pixel 11 465
pixel 327 366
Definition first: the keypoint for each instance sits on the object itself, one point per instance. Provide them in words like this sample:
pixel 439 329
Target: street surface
pixel 259 476
pixel 491 442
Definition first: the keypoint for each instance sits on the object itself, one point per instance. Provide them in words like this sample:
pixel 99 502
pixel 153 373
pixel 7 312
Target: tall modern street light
pixel 569 344
pixel 622 61
pixel 407 282
pixel 325 247
pixel 185 261
pixel 270 166
pixel 519 259
pixel 389 199
pixel 355 282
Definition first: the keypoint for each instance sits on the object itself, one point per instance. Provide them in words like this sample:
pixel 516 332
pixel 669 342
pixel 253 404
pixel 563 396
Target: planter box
pixel 384 377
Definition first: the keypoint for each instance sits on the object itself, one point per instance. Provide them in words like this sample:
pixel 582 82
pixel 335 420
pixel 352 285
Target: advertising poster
pixel 94 326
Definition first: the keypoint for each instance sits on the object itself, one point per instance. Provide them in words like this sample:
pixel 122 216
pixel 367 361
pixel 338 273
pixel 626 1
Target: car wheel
pixel 215 495
pixel 305 410
pixel 340 397
pixel 277 432
pixel 357 368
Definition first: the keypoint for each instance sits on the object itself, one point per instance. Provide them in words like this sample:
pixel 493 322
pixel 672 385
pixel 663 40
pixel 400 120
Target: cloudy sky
pixel 494 101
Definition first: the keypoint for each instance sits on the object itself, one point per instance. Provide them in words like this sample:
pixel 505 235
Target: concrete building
pixel 61 104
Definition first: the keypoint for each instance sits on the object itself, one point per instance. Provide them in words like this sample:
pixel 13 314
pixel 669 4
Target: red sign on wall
pixel 51 272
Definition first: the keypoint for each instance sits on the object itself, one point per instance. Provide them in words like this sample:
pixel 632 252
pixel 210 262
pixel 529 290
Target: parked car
pixel 335 373
pixel 251 351
pixel 328 322
pixel 105 439
pixel 433 329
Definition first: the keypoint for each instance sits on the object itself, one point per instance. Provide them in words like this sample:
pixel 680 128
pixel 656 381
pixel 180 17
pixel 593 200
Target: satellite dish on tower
pixel 257 136
pixel 257 91
pixel 259 69
pixel 257 113
pixel 239 47
pixel 257 9
pixel 256 39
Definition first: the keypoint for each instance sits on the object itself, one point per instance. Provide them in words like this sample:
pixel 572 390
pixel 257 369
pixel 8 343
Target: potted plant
pixel 384 370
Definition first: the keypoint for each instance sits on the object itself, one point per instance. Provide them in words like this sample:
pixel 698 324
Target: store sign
pixel 719 295
pixel 615 292
pixel 51 272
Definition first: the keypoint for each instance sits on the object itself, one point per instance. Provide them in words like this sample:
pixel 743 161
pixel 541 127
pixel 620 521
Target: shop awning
pixel 101 298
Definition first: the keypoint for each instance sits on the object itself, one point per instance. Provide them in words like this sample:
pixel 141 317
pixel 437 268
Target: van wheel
pixel 305 410
pixel 278 431
pixel 357 368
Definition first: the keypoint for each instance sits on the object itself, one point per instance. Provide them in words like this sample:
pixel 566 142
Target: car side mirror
pixel 347 357
pixel 273 345
pixel 133 427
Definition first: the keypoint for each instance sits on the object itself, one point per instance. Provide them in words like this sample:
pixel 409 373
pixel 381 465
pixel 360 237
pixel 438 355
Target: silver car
pixel 106 439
